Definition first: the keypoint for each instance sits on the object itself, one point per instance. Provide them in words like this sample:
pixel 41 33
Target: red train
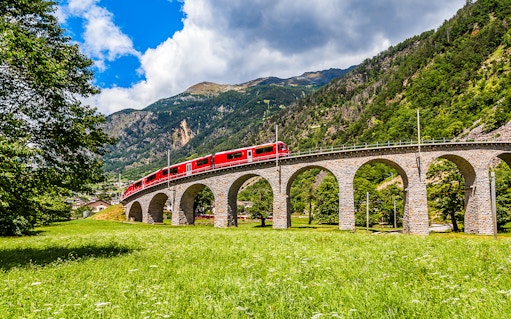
pixel 223 159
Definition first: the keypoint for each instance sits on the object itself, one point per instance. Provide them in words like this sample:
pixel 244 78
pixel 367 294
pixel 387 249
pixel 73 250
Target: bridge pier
pixel 281 210
pixel 478 215
pixel 182 205
pixel 222 211
pixel 346 205
pixel 415 216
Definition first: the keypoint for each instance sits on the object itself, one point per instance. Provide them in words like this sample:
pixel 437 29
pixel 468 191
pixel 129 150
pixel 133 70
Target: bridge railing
pixel 411 142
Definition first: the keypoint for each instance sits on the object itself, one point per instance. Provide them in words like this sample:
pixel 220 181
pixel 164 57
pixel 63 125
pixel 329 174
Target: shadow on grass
pixel 22 257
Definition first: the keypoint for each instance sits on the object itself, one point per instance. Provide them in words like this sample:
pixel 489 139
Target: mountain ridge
pixel 205 117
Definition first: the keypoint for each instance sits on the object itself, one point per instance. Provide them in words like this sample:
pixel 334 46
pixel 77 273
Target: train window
pixel 173 170
pixel 263 150
pixel 234 155
pixel 202 162
pixel 282 147
pixel 150 178
pixel 138 184
pixel 165 172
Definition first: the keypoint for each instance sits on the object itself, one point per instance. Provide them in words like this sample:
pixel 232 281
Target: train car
pixel 197 165
pixel 152 179
pixel 133 188
pixel 208 162
pixel 269 151
pixel 250 154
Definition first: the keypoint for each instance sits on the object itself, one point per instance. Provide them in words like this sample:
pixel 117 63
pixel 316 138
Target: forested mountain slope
pixel 207 117
pixel 457 76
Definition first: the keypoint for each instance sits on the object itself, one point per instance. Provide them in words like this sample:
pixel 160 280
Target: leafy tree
pixel 328 200
pixel 388 196
pixel 503 185
pixel 303 193
pixel 42 79
pixel 446 191
pixel 15 181
pixel 203 200
pixel 260 194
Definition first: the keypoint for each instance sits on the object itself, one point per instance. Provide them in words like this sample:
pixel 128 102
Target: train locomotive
pixel 223 159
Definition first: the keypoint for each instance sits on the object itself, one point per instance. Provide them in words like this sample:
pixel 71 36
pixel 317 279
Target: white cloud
pixel 233 41
pixel 103 40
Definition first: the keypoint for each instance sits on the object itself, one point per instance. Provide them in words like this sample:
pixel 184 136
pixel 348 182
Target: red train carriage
pixel 218 160
pixel 250 154
pixel 197 165
pixel 133 188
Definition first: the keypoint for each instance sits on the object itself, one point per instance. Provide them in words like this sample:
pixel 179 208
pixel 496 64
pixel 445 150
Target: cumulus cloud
pixel 233 41
pixel 103 40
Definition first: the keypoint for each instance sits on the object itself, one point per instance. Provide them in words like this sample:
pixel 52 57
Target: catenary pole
pixel 168 169
pixel 367 211
pixel 277 145
pixel 419 132
pixel 395 218
pixel 419 144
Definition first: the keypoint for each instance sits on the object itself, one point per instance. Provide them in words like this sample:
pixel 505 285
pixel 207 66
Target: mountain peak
pixel 316 79
pixel 209 88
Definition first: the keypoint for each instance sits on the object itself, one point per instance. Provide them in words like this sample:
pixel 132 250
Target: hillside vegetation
pixel 457 76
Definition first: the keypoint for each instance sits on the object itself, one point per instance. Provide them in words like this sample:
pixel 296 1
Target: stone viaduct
pixel 472 158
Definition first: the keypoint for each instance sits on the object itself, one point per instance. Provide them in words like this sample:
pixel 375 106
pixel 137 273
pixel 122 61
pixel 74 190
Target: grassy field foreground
pixel 100 269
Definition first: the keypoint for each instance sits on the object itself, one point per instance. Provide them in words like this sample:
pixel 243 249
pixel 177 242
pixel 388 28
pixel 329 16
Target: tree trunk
pixel 263 222
pixel 454 223
pixel 310 212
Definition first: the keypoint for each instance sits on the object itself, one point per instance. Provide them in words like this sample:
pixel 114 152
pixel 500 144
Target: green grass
pixel 100 269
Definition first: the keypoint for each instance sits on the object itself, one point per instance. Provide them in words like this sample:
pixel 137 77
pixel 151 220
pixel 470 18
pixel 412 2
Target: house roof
pixel 97 203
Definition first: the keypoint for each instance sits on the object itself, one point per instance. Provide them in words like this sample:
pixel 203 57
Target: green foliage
pixel 446 192
pixel 370 178
pixel 203 201
pixel 328 200
pixel 42 78
pixel 261 196
pixel 303 197
pixel 202 272
pixel 456 75
pixel 17 186
pixel 503 188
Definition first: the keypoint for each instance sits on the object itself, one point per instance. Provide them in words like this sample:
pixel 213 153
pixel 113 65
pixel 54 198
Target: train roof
pixel 193 160
pixel 248 147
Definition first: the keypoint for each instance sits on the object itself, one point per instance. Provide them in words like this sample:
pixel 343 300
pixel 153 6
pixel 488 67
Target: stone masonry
pixel 472 159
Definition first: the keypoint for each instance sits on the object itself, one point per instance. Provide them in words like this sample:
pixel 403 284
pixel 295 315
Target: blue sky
pixel 148 50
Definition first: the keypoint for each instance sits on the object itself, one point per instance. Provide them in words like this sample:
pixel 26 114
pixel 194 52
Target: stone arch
pixel 393 164
pixel 465 167
pixel 232 197
pixel 186 212
pixel 406 183
pixel 506 157
pixel 155 211
pixel 468 172
pixel 293 177
pixel 135 212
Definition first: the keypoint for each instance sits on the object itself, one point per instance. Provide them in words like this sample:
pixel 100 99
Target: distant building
pixel 97 206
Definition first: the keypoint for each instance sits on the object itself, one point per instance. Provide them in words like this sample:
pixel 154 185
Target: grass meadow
pixel 104 269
